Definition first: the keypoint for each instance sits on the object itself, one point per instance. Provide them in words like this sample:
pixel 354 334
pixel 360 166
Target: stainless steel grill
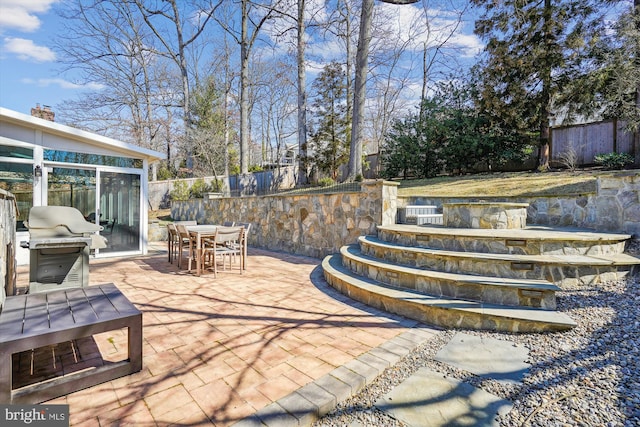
pixel 59 243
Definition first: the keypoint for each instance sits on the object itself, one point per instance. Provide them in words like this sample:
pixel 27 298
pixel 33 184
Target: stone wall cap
pixel 380 181
pixel 622 174
pixel 496 204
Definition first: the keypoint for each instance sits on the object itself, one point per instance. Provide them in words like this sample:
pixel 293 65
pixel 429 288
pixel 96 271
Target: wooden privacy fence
pixel 590 139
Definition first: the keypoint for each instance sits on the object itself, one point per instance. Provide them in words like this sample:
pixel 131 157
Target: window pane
pixel 16 152
pixel 73 187
pixel 18 180
pixel 91 159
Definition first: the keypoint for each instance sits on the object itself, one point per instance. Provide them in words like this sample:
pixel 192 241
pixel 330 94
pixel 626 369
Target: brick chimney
pixel 43 113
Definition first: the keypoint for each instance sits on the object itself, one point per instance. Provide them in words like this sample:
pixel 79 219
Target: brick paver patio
pixel 218 350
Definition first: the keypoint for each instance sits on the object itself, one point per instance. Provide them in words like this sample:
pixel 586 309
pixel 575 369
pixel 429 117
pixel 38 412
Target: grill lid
pixel 62 222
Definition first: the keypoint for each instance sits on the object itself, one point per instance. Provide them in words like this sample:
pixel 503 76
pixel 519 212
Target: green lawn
pixel 508 184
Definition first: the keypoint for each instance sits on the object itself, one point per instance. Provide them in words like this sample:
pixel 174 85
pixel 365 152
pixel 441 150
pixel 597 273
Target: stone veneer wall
pixel 8 215
pixel 315 225
pixel 615 207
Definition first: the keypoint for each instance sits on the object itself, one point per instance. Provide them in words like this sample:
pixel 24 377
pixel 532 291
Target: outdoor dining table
pixel 197 233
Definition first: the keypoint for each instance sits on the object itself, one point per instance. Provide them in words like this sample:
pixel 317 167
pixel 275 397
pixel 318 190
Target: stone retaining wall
pixel 319 224
pixel 485 215
pixel 8 215
pixel 614 207
pixel 315 225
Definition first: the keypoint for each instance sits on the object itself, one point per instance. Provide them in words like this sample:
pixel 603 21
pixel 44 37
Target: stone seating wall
pixel 307 224
pixel 615 206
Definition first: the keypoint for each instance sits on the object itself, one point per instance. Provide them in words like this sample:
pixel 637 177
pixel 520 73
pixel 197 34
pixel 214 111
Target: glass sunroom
pixel 46 163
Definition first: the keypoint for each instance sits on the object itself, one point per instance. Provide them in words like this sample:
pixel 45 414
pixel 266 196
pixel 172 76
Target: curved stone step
pixel 496 290
pixel 445 312
pixel 567 270
pixel 526 241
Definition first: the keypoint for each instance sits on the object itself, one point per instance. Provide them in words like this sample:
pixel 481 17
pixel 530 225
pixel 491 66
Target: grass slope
pixel 512 184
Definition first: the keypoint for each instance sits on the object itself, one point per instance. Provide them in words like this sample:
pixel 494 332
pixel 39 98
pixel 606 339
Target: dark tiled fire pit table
pixel 36 320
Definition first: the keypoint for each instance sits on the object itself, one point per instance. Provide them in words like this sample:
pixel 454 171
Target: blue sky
pixel 28 74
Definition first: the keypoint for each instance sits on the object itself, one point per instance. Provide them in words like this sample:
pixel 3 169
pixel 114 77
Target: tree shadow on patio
pixel 239 342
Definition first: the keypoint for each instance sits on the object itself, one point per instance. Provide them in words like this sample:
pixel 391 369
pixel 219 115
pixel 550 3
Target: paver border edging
pixel 318 398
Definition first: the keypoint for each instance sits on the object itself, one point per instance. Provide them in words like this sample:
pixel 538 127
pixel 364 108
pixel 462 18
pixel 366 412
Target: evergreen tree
pixel 536 51
pixel 620 73
pixel 330 138
pixel 448 134
pixel 410 148
pixel 209 143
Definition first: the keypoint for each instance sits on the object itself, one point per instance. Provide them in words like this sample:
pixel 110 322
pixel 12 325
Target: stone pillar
pixel 383 197
pixel 618 204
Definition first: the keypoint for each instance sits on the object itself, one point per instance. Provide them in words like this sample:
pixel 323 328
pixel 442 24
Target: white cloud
pixel 21 14
pixel 28 50
pixel 432 27
pixel 64 84
pixel 471 45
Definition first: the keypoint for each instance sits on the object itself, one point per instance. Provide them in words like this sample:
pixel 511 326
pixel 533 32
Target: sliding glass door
pixel 120 210
pixel 111 199
pixel 73 187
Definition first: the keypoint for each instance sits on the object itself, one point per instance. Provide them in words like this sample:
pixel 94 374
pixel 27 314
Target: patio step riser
pixel 433 219
pixel 447 316
pixel 423 281
pixel 487 244
pixel 412 211
pixel 562 274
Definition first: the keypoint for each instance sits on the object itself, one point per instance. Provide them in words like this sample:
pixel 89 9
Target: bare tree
pixel 396 50
pixel 175 45
pixel 342 23
pixel 364 39
pixel 302 93
pixel 279 109
pixel 434 43
pixel 208 130
pixel 391 73
pixel 281 34
pixel 359 95
pixel 107 43
pixel 126 50
pixel 253 16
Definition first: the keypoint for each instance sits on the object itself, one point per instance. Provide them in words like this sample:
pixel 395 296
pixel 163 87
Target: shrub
pixel 198 189
pixel 216 185
pixel 180 191
pixel 611 161
pixel 326 182
pixel 569 158
pixel 164 173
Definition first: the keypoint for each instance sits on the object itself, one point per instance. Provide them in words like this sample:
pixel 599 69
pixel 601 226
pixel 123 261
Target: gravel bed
pixel 588 376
